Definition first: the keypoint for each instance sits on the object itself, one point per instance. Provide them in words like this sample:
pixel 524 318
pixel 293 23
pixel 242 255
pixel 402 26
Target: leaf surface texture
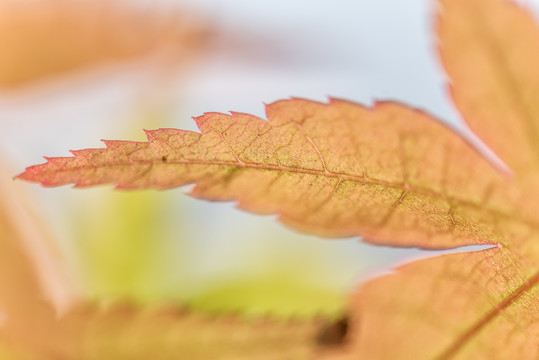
pixel 332 169
pixel 393 175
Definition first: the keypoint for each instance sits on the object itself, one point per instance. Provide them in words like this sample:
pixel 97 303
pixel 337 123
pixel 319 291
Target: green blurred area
pixel 270 294
pixel 122 240
pixel 137 245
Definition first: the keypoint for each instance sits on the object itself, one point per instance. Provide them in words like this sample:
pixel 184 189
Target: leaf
pixel 393 175
pixel 68 35
pixel 471 301
pixel 480 305
pixel 321 167
pixel 33 286
pixel 125 331
pixel 494 76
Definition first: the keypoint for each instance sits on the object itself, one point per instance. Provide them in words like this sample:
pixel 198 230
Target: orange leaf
pixel 49 37
pixel 128 332
pixel 33 287
pixel 490 50
pixel 483 304
pixel 330 169
pixel 393 175
pixel 125 331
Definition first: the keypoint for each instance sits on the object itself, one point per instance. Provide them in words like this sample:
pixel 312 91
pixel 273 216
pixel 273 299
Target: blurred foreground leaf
pixel 33 286
pixel 125 332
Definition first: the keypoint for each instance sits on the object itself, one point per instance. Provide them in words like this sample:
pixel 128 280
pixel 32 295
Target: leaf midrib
pixel 363 179
pixel 457 345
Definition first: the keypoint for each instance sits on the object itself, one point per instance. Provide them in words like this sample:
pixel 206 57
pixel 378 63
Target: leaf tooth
pixel 81 153
pixel 247 119
pixel 113 144
pixel 151 134
pixel 200 121
pixel 334 100
pixel 205 122
pixel 295 110
pixel 163 134
pixel 53 160
pixel 108 143
pixel 29 173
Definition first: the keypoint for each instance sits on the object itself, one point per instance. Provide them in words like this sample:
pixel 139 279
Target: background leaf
pixel 44 38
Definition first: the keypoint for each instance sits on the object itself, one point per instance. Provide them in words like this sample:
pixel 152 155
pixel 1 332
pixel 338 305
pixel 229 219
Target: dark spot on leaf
pixel 164 158
pixel 334 333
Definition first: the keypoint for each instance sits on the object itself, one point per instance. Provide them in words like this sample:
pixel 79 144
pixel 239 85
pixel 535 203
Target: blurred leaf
pixel 44 38
pixel 125 332
pixel 119 331
pixel 33 287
